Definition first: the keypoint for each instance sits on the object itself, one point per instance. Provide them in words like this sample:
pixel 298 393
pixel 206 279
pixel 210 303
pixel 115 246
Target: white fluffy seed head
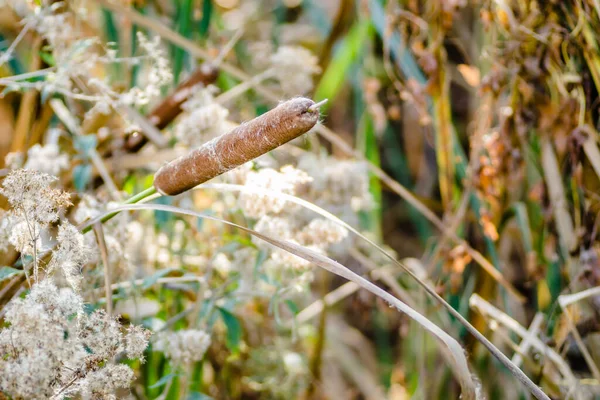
pixel 184 346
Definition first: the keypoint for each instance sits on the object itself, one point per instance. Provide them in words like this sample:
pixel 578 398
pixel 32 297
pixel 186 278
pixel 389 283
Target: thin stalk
pixel 132 200
pixel 28 106
pixel 104 254
pixel 443 137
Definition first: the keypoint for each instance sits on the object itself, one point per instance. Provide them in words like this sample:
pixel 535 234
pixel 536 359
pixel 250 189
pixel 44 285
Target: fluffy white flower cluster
pixel 288 180
pixel 205 119
pixel 47 159
pixel 294 67
pixel 340 187
pixel 158 75
pixel 183 346
pixel 35 205
pixel 30 194
pixel 53 349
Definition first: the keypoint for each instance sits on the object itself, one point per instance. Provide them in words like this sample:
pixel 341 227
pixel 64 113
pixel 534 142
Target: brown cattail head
pixel 254 138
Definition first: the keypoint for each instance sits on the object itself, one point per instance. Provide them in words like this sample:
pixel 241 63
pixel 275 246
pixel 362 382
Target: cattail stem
pixel 248 141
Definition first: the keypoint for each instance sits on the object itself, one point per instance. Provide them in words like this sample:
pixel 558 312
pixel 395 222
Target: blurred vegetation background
pixel 478 124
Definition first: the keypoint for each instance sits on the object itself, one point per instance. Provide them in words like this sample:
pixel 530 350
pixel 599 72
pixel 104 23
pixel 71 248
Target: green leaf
pixel 85 144
pixel 152 279
pixel 369 148
pixel 234 330
pixel 207 11
pixel 163 381
pixel 198 396
pixel 48 58
pixel 184 25
pixel 292 306
pixel 520 211
pixel 7 272
pixel 336 73
pixel 82 174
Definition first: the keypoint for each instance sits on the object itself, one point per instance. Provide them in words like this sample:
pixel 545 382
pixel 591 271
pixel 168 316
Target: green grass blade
pixel 184 25
pixel 348 52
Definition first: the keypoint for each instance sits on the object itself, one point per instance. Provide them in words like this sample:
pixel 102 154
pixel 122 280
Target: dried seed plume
pixel 252 139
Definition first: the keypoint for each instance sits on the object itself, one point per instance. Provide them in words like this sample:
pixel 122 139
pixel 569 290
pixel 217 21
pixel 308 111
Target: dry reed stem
pixel 71 123
pixel 562 217
pixel 41 125
pixel 525 344
pixel 254 138
pixel 476 302
pixel 99 232
pixel 28 106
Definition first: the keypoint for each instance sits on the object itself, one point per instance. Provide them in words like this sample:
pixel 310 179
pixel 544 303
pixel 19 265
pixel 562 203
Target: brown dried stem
pixel 28 106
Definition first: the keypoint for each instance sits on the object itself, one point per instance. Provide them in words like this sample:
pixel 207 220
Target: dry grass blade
pixel 564 224
pixel 565 301
pixel 537 322
pixel 331 298
pixel 524 379
pixel 99 232
pixel 460 365
pixel 478 303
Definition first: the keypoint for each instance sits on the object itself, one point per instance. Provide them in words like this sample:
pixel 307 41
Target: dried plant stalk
pixel 285 122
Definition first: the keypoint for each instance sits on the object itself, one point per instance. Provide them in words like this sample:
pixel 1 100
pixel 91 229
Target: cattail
pixel 254 138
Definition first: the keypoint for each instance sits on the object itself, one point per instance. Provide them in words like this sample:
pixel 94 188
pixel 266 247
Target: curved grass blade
pixel 520 375
pixel 459 361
